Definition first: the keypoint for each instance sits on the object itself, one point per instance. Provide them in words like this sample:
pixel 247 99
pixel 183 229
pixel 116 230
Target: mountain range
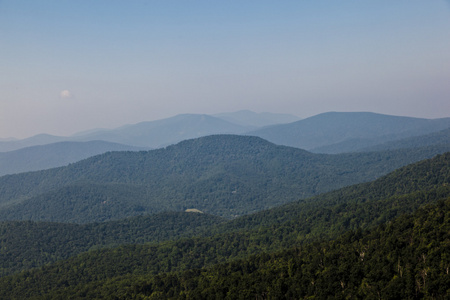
pixel 336 132
pixel 325 133
pixel 224 175
pixel 160 133
pixel 53 155
pixel 355 216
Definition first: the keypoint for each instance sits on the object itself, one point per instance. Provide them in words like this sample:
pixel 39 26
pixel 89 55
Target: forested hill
pixel 55 155
pixel 358 206
pixel 324 217
pixel 224 175
pixel 406 257
pixel 27 244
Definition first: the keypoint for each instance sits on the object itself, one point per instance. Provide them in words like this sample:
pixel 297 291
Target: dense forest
pixel 404 259
pixel 27 244
pixel 325 216
pixel 264 255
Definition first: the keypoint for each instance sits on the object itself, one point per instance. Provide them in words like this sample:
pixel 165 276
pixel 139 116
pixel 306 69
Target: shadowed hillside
pixel 223 175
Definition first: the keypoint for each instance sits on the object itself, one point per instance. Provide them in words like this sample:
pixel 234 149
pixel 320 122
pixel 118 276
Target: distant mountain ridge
pixel 160 133
pixel 332 132
pixel 249 118
pixel 435 138
pixel 329 133
pixel 360 129
pixel 168 131
pixel 441 137
pixel 53 155
pixel 46 151
pixel 40 139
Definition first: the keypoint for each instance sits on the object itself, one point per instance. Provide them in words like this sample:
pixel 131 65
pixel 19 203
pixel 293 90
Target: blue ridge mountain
pixel 40 139
pixel 331 132
pixel 224 175
pixel 160 133
pixel 335 132
pixel 250 118
pixel 436 138
pixel 348 131
pixel 152 134
pixel 441 137
pixel 53 155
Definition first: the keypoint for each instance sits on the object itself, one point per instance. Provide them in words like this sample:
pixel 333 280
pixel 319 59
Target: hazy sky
pixel 68 66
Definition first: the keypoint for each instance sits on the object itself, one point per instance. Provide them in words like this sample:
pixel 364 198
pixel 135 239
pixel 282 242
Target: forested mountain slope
pixel 407 256
pixel 324 217
pixel 357 129
pixel 55 155
pixel 405 259
pixel 224 175
pixel 27 244
pixel 359 206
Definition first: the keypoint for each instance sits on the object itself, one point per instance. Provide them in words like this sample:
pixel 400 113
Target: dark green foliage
pixel 324 217
pixel 222 175
pixel 358 206
pixel 406 258
pixel 82 203
pixel 27 244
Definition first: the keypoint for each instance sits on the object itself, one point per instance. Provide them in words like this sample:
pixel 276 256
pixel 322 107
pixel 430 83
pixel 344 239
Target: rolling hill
pixel 54 155
pixel 224 175
pixel 152 134
pixel 331 132
pixel 436 138
pixel 406 259
pixel 27 244
pixel 398 245
pixel 326 216
pixel 40 139
pixel 349 132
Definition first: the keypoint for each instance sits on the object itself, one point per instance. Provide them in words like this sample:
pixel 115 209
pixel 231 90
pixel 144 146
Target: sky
pixel 70 66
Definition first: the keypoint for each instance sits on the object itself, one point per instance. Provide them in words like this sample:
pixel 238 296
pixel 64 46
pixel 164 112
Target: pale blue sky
pixel 124 62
